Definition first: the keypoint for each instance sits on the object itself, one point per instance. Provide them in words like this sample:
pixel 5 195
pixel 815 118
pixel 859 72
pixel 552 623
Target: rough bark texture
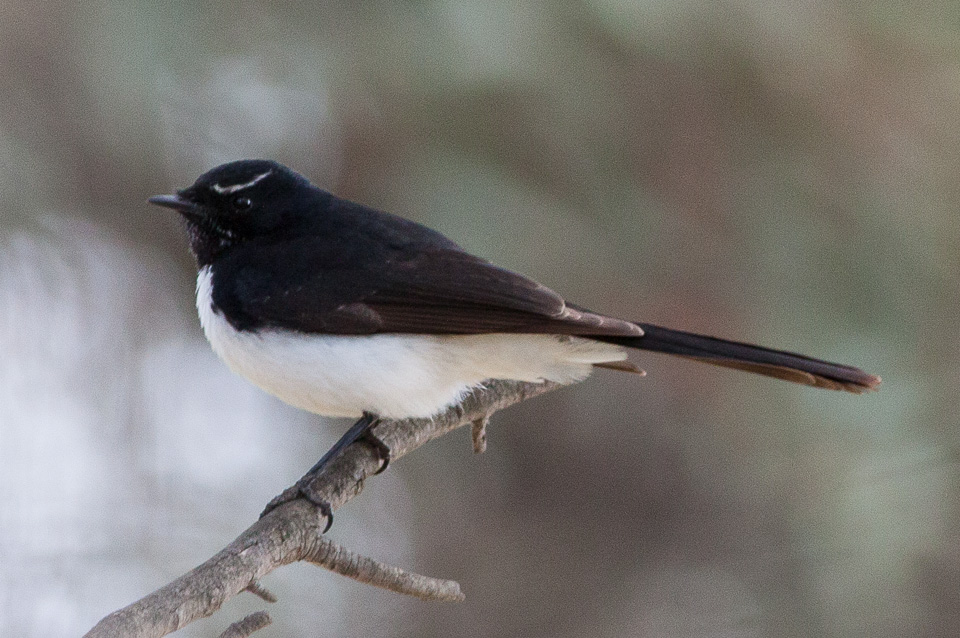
pixel 294 531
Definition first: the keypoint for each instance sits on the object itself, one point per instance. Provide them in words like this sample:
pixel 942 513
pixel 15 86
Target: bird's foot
pixel 302 489
pixel 381 448
pixel 362 430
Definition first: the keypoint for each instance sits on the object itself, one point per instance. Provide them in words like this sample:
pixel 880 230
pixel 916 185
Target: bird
pixel 347 311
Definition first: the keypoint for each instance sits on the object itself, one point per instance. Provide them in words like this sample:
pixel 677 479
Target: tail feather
pixel 743 356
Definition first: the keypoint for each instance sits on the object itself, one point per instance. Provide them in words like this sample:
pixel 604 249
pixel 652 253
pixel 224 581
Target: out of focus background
pixel 778 172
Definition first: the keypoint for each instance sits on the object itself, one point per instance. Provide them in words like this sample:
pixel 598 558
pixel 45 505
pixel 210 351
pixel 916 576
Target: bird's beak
pixel 176 202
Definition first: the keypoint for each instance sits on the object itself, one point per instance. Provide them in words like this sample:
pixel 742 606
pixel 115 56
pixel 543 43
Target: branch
pixel 294 531
pixel 338 559
pixel 243 628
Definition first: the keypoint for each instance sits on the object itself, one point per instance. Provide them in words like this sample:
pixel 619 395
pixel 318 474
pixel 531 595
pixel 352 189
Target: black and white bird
pixel 348 311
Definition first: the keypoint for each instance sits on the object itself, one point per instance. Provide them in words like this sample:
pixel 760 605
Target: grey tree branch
pixel 338 559
pixel 243 628
pixel 294 531
pixel 479 434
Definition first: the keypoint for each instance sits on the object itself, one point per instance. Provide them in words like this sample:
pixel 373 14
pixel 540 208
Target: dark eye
pixel 242 203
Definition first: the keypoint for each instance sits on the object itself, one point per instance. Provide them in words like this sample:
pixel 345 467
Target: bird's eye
pixel 242 203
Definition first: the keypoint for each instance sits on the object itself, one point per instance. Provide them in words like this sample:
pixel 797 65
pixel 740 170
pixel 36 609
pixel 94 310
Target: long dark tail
pixel 743 356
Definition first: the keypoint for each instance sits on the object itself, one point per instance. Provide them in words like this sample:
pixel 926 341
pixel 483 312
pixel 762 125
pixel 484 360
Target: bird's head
pixel 237 202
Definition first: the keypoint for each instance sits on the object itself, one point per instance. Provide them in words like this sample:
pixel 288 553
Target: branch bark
pixel 294 531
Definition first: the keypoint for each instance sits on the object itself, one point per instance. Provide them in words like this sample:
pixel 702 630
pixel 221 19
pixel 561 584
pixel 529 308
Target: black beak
pixel 176 202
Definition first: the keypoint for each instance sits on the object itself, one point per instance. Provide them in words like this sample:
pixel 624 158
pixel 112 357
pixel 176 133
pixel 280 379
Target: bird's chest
pixel 335 375
pixel 298 369
pixel 392 375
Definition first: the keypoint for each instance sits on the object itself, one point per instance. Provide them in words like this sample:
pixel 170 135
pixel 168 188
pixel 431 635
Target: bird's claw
pixel 382 449
pixel 302 490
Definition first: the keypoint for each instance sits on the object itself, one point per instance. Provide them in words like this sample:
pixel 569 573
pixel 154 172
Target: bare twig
pixel 243 628
pixel 257 589
pixel 479 434
pixel 338 559
pixel 293 531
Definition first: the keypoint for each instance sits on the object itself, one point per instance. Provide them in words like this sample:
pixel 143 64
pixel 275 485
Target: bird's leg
pixel 361 430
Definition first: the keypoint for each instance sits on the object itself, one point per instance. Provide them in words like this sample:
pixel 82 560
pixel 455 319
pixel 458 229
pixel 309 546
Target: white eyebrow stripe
pixel 226 190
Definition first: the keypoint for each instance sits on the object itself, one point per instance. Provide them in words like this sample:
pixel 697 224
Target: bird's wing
pixel 423 291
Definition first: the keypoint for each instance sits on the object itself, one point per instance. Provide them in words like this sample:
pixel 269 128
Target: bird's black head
pixel 237 202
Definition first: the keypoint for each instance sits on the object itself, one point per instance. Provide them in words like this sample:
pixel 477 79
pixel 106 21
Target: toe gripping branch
pixel 362 430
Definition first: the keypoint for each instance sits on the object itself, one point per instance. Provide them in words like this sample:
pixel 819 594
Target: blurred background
pixel 778 172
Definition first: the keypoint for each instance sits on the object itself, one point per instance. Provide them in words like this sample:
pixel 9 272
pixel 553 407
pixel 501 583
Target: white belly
pixel 391 375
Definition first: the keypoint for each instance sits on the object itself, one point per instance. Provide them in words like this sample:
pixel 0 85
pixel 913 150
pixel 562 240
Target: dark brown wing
pixel 433 291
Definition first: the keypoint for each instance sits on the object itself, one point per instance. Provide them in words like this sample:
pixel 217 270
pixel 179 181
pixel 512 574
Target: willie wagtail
pixel 348 311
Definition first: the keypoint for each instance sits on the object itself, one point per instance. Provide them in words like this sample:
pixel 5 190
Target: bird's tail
pixel 742 356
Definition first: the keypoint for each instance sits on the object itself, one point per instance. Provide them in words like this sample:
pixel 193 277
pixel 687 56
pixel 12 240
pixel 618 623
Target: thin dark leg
pixel 359 430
